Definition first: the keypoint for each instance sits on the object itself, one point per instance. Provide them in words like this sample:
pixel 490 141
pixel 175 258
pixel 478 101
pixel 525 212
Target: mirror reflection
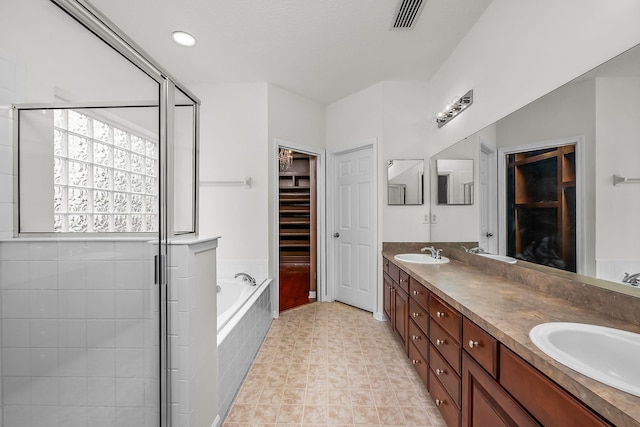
pixel 455 181
pixel 405 182
pixel 595 120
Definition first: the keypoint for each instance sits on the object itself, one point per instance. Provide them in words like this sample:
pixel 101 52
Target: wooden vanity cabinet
pixel 445 333
pixel 396 300
pixel 543 398
pixel 485 403
pixel 501 389
pixel 486 385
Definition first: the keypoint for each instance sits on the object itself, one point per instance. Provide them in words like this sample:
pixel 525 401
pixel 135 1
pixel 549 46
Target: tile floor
pixel 329 364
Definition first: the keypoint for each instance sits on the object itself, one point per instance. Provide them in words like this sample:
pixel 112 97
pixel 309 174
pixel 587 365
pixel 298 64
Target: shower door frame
pixel 108 32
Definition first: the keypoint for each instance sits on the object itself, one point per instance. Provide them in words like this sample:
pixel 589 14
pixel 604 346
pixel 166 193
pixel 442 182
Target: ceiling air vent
pixel 408 11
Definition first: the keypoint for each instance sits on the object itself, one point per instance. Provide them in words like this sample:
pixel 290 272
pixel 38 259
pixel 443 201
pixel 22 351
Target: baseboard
pixel 216 421
pixel 379 316
pixel 312 294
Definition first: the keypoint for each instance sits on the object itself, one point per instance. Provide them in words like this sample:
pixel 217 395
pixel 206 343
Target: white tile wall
pixel 76 317
pixel 237 351
pixel 181 340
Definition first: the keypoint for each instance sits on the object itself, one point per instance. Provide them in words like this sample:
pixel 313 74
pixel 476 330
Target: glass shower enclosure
pixel 100 137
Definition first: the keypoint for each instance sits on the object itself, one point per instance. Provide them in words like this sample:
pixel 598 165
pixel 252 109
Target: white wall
pixel 234 146
pixel 520 50
pixel 239 126
pixel 617 130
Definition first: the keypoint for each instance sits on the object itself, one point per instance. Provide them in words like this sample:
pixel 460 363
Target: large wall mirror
pixel 405 180
pixel 592 127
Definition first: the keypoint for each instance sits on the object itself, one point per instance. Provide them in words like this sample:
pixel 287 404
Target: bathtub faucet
pixel 246 277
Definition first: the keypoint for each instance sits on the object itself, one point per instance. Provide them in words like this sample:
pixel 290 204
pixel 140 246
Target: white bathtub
pixel 234 300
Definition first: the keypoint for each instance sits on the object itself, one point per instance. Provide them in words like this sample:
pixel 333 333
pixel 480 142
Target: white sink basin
pixel 503 258
pixel 604 354
pixel 421 259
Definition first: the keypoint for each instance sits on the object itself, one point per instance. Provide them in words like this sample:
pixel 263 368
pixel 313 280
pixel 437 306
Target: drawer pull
pixel 441 371
pixel 415 362
pixel 403 281
pixel 416 337
pixel 440 342
pixel 414 314
pixel 473 344
pixel 439 402
pixel 417 293
pixel 440 314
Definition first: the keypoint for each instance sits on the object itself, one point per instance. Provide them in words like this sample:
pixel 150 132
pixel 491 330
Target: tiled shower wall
pixel 79 334
pixel 237 351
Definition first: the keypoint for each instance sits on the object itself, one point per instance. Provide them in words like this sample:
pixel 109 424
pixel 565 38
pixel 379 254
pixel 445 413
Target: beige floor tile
pixel 390 415
pixel 293 396
pixel 328 364
pixel 265 414
pixel 290 414
pixel 314 414
pixel 365 415
pixel 338 414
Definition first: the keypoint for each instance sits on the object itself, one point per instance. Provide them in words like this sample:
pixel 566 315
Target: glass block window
pixel 105 178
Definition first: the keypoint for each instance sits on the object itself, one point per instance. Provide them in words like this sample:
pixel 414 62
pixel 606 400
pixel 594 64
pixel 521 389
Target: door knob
pixel 336 234
pixel 489 234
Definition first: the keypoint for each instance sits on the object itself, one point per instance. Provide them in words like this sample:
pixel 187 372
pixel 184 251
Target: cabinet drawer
pixel 481 346
pixel 448 317
pixel 446 345
pixel 403 280
pixel 419 339
pixel 447 408
pixel 544 399
pixel 420 363
pixel 419 315
pixel 445 374
pixel 385 265
pixel 394 272
pixel 419 293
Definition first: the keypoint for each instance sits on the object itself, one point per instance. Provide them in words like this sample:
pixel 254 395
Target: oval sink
pixel 503 258
pixel 421 259
pixel 605 354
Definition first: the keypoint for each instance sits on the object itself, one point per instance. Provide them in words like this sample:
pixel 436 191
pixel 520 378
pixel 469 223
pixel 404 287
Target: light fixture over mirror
pixel 405 182
pixel 599 110
pixel 457 106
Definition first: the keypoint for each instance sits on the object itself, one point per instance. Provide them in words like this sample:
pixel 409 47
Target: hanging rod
pixel 246 183
pixel 617 180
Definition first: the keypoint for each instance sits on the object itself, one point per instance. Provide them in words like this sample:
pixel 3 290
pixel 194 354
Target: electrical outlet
pixel 434 219
pixel 426 219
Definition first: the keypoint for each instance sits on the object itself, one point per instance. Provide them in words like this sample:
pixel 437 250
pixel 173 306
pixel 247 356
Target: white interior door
pixel 488 207
pixel 354 228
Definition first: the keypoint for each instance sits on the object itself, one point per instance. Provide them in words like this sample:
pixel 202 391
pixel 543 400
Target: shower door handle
pixel 336 234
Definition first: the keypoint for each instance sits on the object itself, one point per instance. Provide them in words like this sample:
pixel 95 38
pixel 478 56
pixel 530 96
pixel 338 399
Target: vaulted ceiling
pixel 323 50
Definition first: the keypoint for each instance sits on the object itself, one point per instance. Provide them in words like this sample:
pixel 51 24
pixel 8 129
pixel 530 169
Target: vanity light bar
pixel 456 107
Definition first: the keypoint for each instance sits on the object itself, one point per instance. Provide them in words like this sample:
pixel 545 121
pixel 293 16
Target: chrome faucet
pixel 246 278
pixel 435 253
pixel 632 279
pixel 476 250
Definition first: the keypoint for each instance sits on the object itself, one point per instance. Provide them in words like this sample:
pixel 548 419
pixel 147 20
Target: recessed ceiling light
pixel 183 39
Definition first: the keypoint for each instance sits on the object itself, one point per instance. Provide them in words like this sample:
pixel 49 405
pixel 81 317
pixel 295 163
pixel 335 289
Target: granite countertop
pixel 508 310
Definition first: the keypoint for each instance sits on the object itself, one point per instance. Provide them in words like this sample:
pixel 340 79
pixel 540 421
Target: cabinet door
pixel 387 295
pixel 401 314
pixel 485 403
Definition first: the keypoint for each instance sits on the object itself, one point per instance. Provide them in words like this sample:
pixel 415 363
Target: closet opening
pixel 297 236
